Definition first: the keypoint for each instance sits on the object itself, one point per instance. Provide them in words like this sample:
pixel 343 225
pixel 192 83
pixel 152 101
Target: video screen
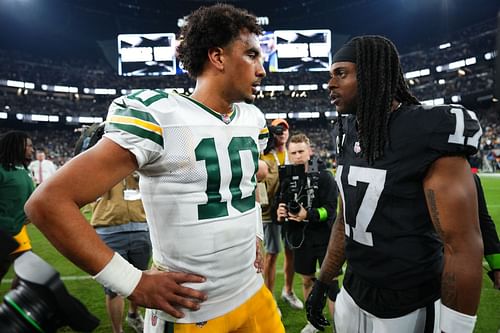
pixel 295 50
pixel 146 54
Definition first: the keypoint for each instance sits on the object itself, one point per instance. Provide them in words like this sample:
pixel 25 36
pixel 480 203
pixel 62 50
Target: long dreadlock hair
pixel 380 81
pixel 13 149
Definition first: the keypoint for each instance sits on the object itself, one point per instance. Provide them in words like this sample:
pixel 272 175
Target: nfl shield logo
pixel 154 319
pixel 357 148
pixel 226 118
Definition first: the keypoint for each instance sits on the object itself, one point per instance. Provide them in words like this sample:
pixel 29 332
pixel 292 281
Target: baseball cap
pixel 280 121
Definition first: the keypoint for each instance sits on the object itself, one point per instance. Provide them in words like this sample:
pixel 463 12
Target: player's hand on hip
pixel 315 303
pixel 164 291
pixel 259 257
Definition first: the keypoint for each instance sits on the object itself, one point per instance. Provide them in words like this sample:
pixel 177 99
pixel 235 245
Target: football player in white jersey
pixel 197 156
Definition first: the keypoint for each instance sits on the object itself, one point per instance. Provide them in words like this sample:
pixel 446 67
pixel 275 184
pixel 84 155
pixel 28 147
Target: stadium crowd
pixel 474 84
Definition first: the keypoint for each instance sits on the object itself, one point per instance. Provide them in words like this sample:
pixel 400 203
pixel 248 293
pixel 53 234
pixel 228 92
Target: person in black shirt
pixel 408 225
pixel 307 229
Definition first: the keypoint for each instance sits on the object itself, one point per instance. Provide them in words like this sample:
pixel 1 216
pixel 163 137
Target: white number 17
pixel 375 178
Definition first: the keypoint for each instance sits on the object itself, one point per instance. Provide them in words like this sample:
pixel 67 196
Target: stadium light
pixel 274 115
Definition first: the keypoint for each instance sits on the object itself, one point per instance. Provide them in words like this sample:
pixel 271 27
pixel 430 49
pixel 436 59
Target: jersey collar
pixel 225 118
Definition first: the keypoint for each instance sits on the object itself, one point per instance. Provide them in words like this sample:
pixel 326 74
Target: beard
pixel 351 107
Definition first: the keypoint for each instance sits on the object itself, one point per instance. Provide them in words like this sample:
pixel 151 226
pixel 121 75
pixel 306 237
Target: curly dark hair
pixel 380 81
pixel 208 27
pixel 13 149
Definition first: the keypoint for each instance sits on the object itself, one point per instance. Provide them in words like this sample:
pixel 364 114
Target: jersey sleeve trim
pixel 130 126
pixel 264 133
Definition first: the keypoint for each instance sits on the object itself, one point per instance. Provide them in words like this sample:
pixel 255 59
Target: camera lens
pixel 28 308
pixel 294 207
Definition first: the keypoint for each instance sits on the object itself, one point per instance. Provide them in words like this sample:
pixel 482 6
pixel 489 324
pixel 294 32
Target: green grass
pixel 91 294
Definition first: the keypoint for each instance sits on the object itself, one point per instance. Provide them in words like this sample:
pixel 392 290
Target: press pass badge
pixel 131 195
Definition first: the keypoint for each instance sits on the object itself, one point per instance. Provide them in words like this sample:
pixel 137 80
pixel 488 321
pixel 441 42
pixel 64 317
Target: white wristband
pixel 456 322
pixel 119 275
pixel 259 226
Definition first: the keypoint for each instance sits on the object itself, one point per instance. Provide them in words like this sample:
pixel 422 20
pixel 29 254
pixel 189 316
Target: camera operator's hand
pixel 282 212
pixel 315 304
pixel 300 216
pixel 164 291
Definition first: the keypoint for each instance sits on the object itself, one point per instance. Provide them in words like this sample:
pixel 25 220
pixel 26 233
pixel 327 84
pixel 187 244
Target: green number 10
pixel 206 151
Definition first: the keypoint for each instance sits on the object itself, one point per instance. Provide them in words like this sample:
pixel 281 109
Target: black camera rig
pixel 298 186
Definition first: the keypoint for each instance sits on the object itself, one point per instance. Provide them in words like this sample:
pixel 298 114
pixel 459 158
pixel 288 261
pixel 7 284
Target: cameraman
pixel 308 230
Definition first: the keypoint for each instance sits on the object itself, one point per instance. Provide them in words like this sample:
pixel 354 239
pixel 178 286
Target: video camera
pixel 297 185
pixel 40 303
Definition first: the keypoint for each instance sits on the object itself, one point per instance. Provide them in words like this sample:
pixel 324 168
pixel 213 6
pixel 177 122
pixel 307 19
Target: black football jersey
pixel 390 239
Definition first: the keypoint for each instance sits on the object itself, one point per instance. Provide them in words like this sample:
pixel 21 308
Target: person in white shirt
pixel 41 168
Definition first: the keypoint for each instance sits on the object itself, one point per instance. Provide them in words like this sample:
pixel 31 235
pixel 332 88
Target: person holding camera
pixel 274 156
pixel 308 203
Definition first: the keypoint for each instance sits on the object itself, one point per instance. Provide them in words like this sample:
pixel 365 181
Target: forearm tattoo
pixel 335 256
pixel 433 210
pixel 448 279
pixel 449 289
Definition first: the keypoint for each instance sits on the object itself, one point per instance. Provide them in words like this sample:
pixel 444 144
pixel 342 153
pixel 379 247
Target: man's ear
pixel 216 57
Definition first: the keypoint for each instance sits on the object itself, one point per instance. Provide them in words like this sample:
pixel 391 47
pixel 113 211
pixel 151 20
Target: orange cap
pixel 280 121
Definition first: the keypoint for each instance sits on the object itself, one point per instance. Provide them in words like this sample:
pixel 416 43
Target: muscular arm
pixel 452 202
pixel 55 205
pixel 54 209
pixel 335 254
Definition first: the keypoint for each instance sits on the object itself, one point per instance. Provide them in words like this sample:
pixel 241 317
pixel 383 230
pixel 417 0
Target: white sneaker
pixel 291 299
pixel 309 328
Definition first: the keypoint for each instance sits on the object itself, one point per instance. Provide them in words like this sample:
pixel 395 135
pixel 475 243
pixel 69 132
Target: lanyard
pixel 278 160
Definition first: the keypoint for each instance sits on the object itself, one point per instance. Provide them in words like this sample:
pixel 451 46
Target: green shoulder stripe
pixel 129 112
pixel 137 131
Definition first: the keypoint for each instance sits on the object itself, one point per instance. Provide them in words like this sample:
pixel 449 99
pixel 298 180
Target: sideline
pixel 64 278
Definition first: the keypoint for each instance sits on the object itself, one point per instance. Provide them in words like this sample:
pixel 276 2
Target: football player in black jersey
pixel 408 226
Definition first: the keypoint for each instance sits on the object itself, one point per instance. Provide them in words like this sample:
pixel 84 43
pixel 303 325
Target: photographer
pixel 308 203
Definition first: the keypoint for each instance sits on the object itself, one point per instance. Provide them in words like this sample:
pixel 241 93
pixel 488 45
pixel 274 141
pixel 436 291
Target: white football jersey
pixel 197 184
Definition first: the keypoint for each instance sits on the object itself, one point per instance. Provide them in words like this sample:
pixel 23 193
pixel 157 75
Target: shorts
pixel 24 245
pixel 23 239
pixel 259 314
pixel 310 254
pixel 272 237
pixel 134 246
pixel 307 257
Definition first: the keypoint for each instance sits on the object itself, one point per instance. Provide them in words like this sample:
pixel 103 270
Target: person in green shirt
pixel 16 185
